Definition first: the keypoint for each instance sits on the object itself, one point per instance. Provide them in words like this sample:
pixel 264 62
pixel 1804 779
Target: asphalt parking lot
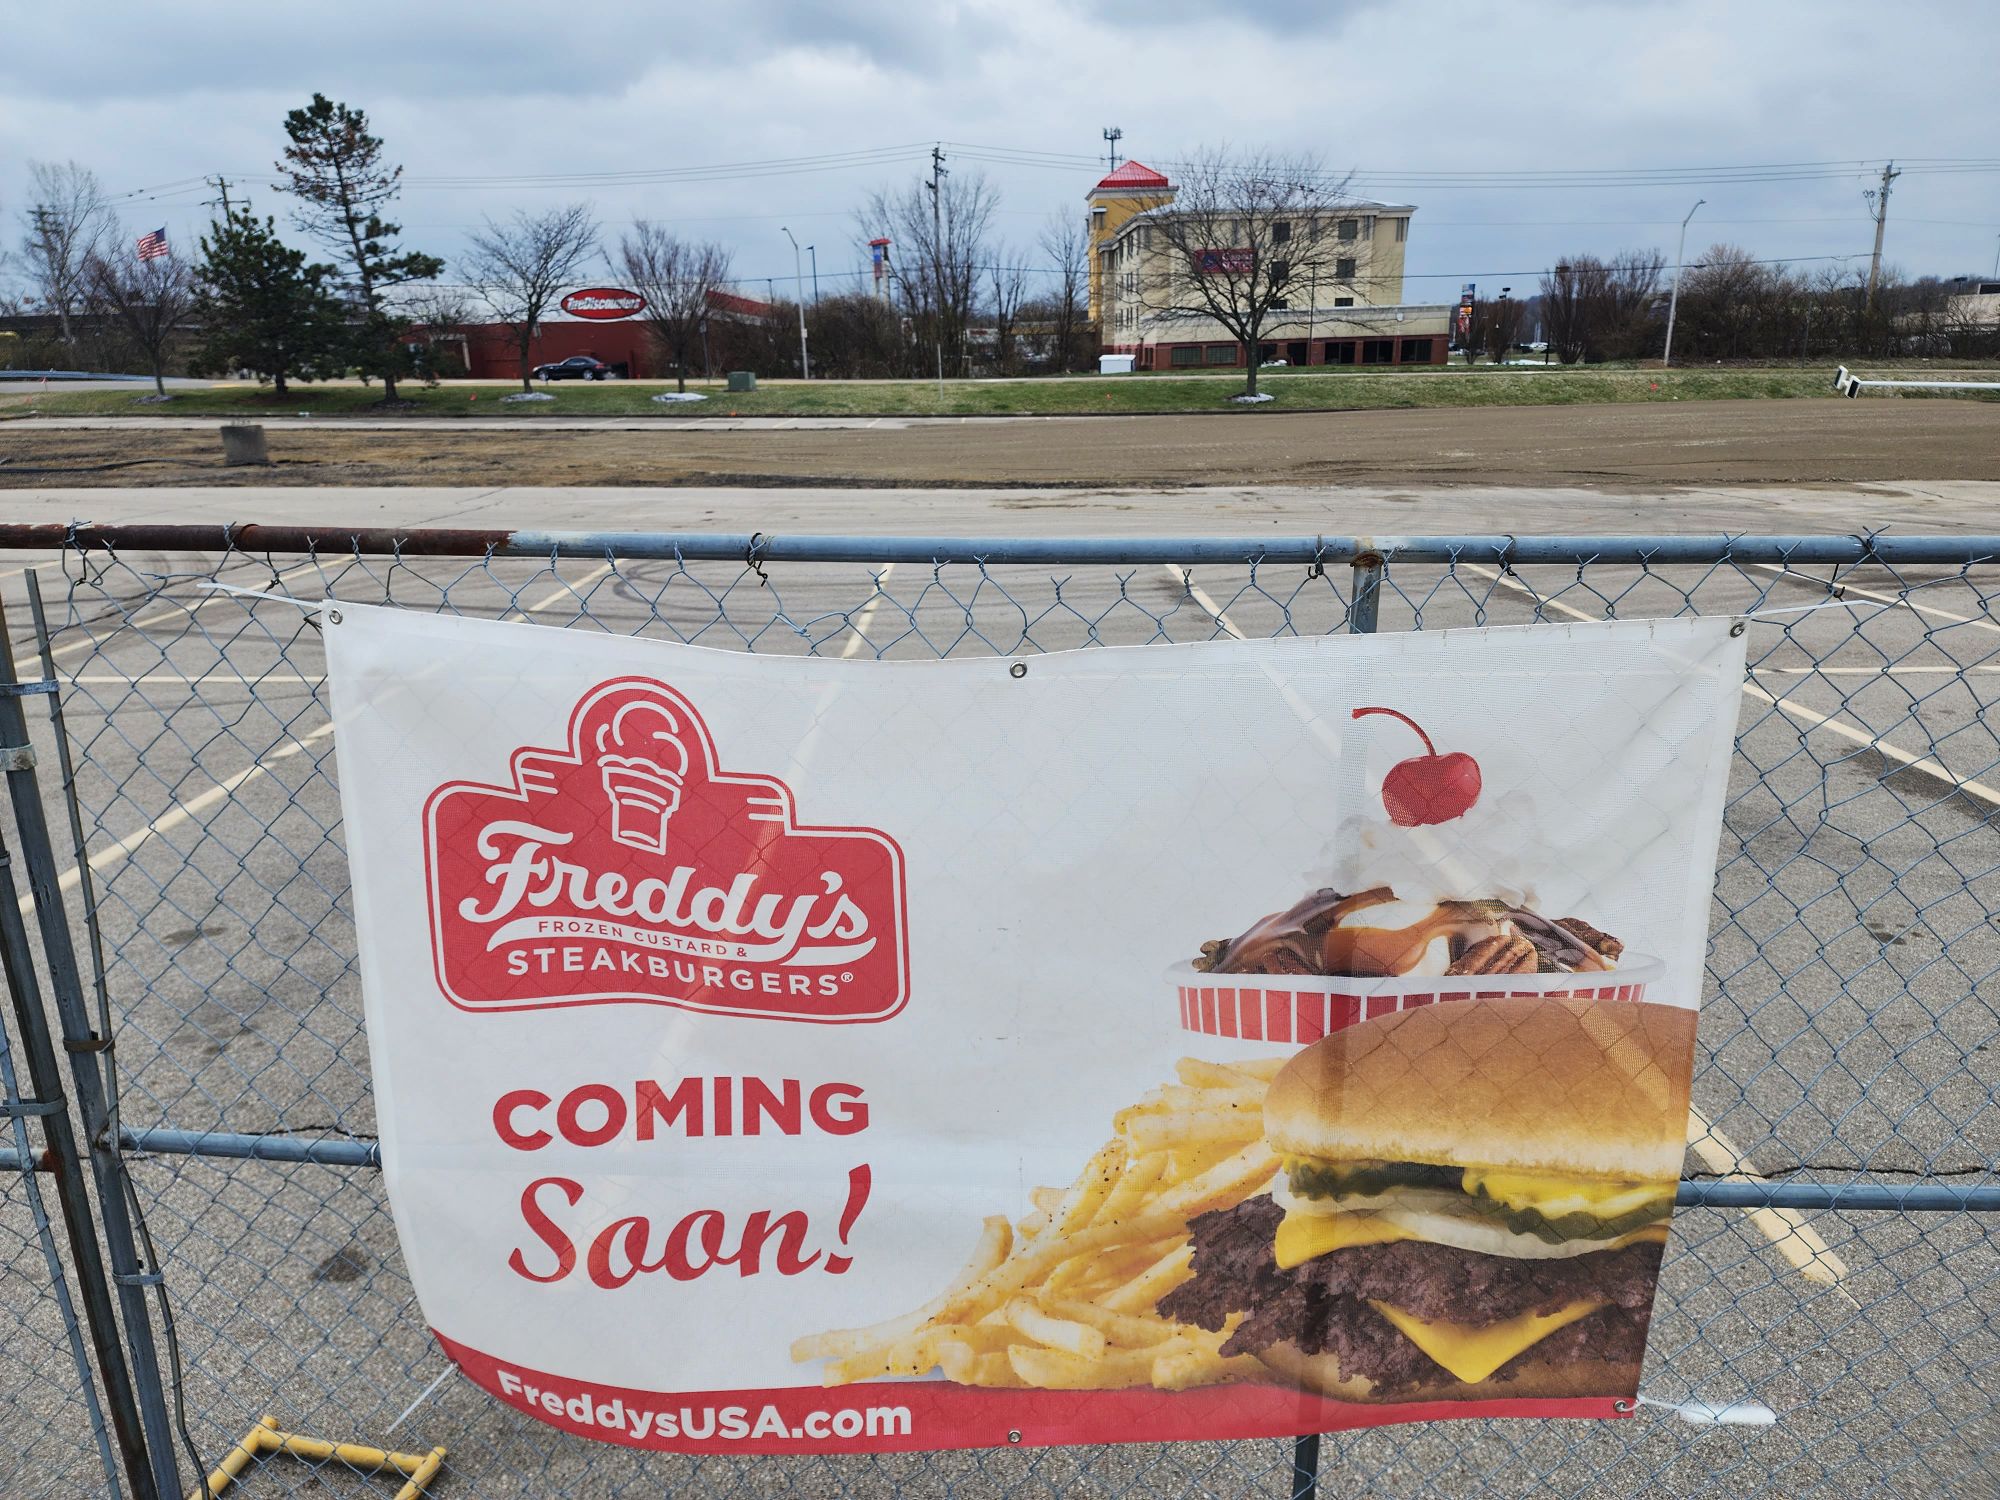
pixel 1848 1026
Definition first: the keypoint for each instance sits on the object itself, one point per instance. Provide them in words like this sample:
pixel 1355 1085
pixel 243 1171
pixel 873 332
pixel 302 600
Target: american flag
pixel 153 246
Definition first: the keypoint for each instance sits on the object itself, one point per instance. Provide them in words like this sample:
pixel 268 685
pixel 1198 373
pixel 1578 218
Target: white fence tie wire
pixel 1698 1413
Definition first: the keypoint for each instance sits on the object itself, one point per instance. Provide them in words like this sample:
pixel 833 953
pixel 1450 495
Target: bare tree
pixel 939 255
pixel 1245 235
pixel 519 269
pixel 1007 286
pixel 149 298
pixel 68 221
pixel 440 314
pixel 1499 325
pixel 675 276
pixel 1570 294
pixel 1065 240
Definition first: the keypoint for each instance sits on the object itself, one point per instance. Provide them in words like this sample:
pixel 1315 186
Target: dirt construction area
pixel 1614 448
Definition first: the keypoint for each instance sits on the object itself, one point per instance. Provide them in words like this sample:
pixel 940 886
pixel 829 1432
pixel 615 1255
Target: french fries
pixel 1065 1298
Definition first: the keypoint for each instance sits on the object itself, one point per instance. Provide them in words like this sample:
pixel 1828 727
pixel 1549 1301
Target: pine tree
pixel 334 167
pixel 262 307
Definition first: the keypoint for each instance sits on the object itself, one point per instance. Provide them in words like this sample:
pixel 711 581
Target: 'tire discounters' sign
pixel 603 303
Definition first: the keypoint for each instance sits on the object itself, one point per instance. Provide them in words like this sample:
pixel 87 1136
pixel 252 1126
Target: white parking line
pixel 1904 599
pixel 1200 596
pixel 573 590
pixel 1785 1228
pixel 181 812
pixel 1811 717
pixel 860 626
pixel 178 611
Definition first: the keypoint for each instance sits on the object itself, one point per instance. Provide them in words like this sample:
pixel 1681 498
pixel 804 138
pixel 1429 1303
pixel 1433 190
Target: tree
pixel 1066 242
pixel 262 307
pixel 1499 328
pixel 440 314
pixel 675 276
pixel 937 273
pixel 1243 237
pixel 855 336
pixel 519 269
pixel 68 221
pixel 1007 285
pixel 149 298
pixel 335 168
pixel 1568 294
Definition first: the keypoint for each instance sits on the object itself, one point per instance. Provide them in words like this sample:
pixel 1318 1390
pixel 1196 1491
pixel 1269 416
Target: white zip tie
pixel 1698 1413
pixel 449 1371
pixel 210 586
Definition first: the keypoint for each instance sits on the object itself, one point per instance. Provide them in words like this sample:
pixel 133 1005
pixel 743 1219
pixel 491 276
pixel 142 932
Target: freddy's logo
pixel 627 866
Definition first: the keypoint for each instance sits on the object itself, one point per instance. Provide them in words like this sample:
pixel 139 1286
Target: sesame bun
pixel 1585 1088
pixel 1532 1380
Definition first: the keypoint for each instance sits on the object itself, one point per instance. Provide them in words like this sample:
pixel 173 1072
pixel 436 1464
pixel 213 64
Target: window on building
pixel 1402 230
pixel 1280 269
pixel 1378 351
pixel 1221 354
pixel 1185 354
pixel 1416 351
pixel 1281 304
pixel 1343 302
pixel 1266 352
pixel 1280 232
pixel 1344 268
pixel 1350 229
pixel 1340 353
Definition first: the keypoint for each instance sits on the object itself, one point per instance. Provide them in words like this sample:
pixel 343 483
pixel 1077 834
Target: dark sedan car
pixel 576 367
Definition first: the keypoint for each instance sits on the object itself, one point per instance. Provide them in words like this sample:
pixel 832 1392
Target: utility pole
pixel 1674 302
pixel 799 275
pixel 812 254
pixel 222 195
pixel 1879 197
pixel 1112 136
pixel 938 174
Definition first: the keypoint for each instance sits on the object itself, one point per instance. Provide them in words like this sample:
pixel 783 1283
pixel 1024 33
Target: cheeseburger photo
pixel 1472 1204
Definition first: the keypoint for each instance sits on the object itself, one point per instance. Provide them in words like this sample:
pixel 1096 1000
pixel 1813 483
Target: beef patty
pixel 1322 1306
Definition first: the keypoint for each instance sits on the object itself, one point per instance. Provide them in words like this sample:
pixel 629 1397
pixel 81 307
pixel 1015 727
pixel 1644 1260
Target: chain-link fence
pixel 1846 1081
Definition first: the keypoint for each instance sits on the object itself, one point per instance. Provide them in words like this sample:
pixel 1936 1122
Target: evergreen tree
pixel 262 307
pixel 335 168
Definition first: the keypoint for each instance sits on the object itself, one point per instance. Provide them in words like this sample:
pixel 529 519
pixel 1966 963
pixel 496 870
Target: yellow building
pixel 1352 311
pixel 1130 189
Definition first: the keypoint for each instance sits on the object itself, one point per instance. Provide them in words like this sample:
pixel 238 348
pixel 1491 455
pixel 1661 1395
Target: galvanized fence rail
pixel 1835 1256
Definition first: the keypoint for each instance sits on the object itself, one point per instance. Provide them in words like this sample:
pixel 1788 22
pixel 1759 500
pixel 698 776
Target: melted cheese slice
pixel 1304 1237
pixel 1473 1353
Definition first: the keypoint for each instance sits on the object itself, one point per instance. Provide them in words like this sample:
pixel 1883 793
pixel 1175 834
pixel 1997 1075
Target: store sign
pixel 784 1055
pixel 603 304
pixel 1228 262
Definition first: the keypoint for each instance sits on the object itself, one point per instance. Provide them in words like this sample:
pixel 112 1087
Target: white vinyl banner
pixel 776 1054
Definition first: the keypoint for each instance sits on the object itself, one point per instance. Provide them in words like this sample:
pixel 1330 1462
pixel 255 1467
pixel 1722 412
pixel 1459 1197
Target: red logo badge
pixel 628 866
pixel 603 304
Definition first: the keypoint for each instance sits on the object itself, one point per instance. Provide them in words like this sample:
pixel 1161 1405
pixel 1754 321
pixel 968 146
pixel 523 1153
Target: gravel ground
pixel 1849 1024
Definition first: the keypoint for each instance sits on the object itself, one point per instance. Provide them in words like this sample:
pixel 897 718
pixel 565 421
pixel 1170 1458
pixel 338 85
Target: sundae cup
pixel 643 797
pixel 1336 958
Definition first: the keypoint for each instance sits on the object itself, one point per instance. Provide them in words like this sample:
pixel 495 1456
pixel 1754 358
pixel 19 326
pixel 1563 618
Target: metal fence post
pixel 45 1077
pixel 149 1452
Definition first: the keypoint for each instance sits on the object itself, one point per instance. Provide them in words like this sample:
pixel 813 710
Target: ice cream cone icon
pixel 643 765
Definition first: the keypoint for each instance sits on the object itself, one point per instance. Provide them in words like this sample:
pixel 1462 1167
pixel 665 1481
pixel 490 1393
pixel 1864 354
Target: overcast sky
pixel 169 92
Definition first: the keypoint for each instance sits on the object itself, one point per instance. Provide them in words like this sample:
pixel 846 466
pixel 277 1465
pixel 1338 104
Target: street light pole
pixel 812 254
pixel 799 275
pixel 1674 302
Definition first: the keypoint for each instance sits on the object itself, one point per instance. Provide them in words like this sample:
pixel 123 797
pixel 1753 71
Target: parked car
pixel 576 367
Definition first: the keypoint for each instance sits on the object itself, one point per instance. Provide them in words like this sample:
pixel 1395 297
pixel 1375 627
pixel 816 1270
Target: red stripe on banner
pixel 1208 1011
pixel 914 1415
pixel 1310 1016
pixel 1343 1011
pixel 1250 1014
pixel 1278 1015
pixel 1187 1011
pixel 1380 1005
pixel 1225 1009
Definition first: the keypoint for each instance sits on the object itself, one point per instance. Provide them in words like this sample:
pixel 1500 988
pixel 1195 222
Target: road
pixel 1843 1029
pixel 1633 449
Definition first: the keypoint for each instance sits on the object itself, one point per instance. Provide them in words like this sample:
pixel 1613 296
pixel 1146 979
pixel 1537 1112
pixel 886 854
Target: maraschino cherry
pixel 1427 788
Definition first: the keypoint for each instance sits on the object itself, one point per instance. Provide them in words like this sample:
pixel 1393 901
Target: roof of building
pixel 729 302
pixel 1133 175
